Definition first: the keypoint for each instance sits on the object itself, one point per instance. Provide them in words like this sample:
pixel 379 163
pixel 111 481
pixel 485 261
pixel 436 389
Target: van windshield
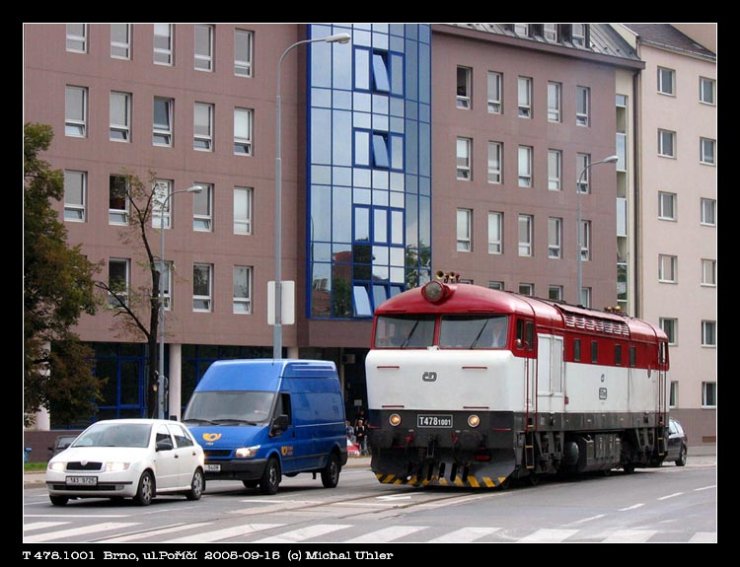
pixel 227 407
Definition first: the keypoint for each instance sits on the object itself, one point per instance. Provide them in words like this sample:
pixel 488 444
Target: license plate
pixel 425 420
pixel 82 480
pixel 213 468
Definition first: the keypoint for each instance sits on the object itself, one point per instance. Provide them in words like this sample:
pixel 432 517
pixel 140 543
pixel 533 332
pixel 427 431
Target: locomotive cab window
pixel 577 350
pixel 633 356
pixel 411 331
pixel 524 334
pixel 473 331
pixel 618 355
pixel 594 351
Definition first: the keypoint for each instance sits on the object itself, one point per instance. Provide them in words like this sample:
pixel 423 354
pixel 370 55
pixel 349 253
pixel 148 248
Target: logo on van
pixel 429 377
pixel 211 437
pixel 286 450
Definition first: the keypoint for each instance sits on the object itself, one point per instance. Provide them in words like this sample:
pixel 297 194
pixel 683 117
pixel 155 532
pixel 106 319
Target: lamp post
pixel 160 378
pixel 277 332
pixel 579 284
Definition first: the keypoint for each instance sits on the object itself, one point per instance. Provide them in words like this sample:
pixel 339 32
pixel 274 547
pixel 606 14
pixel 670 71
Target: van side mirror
pixel 279 424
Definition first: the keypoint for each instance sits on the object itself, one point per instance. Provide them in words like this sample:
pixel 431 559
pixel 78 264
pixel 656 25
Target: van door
pixel 285 441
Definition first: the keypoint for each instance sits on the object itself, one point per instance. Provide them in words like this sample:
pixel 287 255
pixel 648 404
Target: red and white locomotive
pixel 470 386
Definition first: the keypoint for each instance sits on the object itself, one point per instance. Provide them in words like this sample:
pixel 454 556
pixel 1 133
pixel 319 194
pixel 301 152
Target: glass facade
pixel 369 167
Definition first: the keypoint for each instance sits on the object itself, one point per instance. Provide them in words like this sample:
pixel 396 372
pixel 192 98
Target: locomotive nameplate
pixel 431 420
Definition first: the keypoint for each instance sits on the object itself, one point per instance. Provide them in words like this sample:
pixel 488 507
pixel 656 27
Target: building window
pixel 667 206
pixel 242 301
pixel 706 150
pixel 670 328
pixel 707 89
pixel 673 396
pixel 75 195
pixel 495 92
pixel 243 46
pixel 709 394
pixel 243 210
pixel 583 161
pixel 555 292
pixel 163 43
pixel 521 29
pixel 202 286
pixel 709 333
pixel 203 127
pixel 524 90
pixel 243 131
pixel 165 284
pixel 464 230
pixel 578 35
pixel 162 123
pixel 118 281
pixel 709 272
pixel 118 200
pixel 496 285
pixel 203 208
pixel 464 152
pixel 666 143
pixel 583 106
pixel 495 233
pixel 526 228
pixel 554 237
pixel 120 117
pixel 708 212
pixel 621 143
pixel 495 161
pixel 585 233
pixel 381 78
pixel 586 297
pixel 203 47
pixel 550 31
pixel 464 87
pixel 666 81
pixel 120 41
pixel 161 205
pixel 554 91
pixel 554 169
pixel 526 289
pixel 75 112
pixel 77 38
pixel 667 268
pixel 525 166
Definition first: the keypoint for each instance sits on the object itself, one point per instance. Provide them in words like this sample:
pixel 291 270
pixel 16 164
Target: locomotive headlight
pixel 473 420
pixel 433 292
pixel 394 420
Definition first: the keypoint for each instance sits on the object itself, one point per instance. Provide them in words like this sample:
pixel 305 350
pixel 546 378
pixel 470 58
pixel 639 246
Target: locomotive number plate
pixel 428 420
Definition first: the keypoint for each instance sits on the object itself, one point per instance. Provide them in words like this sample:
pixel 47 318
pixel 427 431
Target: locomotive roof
pixel 470 299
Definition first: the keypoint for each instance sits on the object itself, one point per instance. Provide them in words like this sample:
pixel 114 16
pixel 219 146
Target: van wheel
pixel 330 473
pixel 271 477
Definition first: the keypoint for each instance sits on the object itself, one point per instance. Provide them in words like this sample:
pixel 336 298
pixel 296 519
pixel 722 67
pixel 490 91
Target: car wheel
pixel 59 500
pixel 682 457
pixel 250 483
pixel 197 486
pixel 330 473
pixel 271 477
pixel 145 492
pixel 629 468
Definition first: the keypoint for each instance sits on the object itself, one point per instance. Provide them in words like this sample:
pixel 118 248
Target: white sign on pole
pixel 287 303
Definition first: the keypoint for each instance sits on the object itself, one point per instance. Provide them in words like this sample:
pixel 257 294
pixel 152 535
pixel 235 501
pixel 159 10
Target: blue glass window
pixel 381 81
pixel 362 69
pixel 362 147
pixel 396 74
pixel 380 150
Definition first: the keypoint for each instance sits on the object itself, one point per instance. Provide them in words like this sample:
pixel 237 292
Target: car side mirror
pixel 164 445
pixel 279 424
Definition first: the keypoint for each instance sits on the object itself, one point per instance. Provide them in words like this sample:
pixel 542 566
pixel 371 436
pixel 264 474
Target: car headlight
pixel 116 467
pixel 57 466
pixel 246 452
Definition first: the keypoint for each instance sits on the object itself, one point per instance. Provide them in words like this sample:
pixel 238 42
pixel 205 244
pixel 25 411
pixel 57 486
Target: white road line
pixel 670 496
pixel 705 488
pixel 704 537
pixel 547 536
pixel 83 530
pixel 154 533
pixel 633 507
pixel 217 535
pixel 386 534
pixel 41 525
pixel 78 516
pixel 630 536
pixel 584 520
pixel 304 533
pixel 464 535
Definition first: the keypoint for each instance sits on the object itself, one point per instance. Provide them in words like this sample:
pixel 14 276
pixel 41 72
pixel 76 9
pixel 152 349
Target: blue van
pixel 260 419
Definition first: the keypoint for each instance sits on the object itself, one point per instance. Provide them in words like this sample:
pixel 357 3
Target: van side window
pixel 283 407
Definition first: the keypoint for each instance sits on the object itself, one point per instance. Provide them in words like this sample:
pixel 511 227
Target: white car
pixel 135 458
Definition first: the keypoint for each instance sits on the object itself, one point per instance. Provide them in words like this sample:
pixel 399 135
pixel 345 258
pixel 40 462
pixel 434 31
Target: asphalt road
pixel 668 504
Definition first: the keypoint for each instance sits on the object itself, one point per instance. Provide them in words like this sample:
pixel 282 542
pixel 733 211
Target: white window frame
pixel 495 92
pixel 495 162
pixel 112 301
pixel 496 285
pixel 118 216
pixel 704 156
pixel 521 29
pixel 464 101
pixel 555 246
pixel 713 83
pixel 524 105
pixel 583 169
pixel 204 222
pixel 72 37
pixel 125 128
pixel 583 116
pixel 464 162
pixel 243 224
pixel 168 133
pixel 672 322
pixel 72 125
pixel 203 61
pixel 160 216
pixel 578 35
pixel 76 212
pixel 663 199
pixel 703 204
pixel 708 272
pixel 243 67
pixel 242 305
pixel 673 394
pixel 203 141
pixel 125 47
pixel 550 32
pixel 621 151
pixel 526 289
pixel 495 232
pixel 586 296
pixel 207 299
pixel 525 156
pixel 707 335
pixel 662 89
pixel 585 232
pixel 526 246
pixel 464 225
pixel 554 178
pixel 164 55
pixel 667 268
pixel 662 150
pixel 554 101
pixel 704 396
pixel 558 295
pixel 241 143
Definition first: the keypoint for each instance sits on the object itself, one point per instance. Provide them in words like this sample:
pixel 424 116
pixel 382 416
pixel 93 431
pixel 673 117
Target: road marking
pixel 77 515
pixel 304 533
pixel 705 488
pixel 41 525
pixel 464 535
pixel 547 536
pixel 704 537
pixel 277 501
pixel 633 507
pixel 148 534
pixel 670 496
pixel 630 536
pixel 49 537
pixel 394 497
pixel 584 520
pixel 386 534
pixel 224 533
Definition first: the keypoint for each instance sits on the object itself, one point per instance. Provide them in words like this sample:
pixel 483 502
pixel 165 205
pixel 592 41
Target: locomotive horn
pixel 439 274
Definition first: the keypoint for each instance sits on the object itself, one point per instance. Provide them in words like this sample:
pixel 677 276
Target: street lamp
pixel 160 378
pixel 277 332
pixel 579 284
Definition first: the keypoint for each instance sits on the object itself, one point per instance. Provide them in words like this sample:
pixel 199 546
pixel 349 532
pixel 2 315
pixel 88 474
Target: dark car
pixel 677 443
pixel 61 443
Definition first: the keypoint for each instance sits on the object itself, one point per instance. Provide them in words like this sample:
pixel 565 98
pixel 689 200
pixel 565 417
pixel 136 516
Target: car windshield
pixel 225 406
pixel 404 332
pixel 111 434
pixel 473 331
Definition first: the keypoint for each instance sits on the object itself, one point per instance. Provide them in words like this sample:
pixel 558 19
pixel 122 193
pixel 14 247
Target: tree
pixel 418 264
pixel 58 288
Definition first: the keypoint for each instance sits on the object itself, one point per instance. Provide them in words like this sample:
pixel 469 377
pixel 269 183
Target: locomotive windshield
pixel 473 331
pixel 412 331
